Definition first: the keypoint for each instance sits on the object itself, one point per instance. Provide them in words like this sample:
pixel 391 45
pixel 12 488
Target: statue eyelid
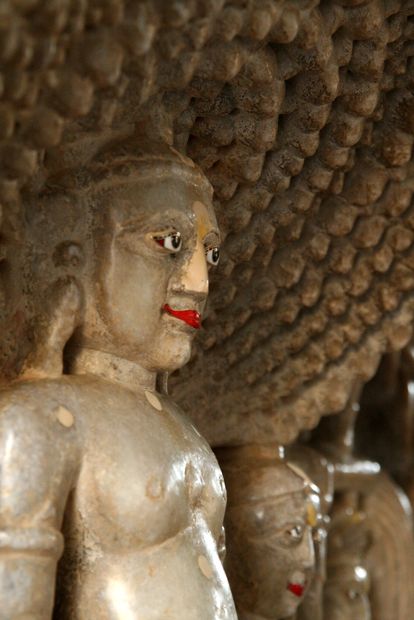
pixel 278 540
pixel 281 535
pixel 212 254
pixel 212 239
pixel 170 241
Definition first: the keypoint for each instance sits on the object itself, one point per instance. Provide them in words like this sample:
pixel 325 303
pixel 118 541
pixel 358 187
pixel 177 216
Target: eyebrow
pixel 155 219
pixel 213 233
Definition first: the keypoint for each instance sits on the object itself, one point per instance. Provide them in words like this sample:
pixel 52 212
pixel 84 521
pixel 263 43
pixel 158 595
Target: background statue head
pixel 271 513
pixel 346 593
pixel 321 472
pixel 135 230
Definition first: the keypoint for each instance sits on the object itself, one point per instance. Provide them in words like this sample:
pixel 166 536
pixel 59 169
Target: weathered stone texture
pixel 301 115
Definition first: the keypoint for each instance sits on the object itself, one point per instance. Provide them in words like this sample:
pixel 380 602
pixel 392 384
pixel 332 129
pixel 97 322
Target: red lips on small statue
pixel 296 588
pixel 191 317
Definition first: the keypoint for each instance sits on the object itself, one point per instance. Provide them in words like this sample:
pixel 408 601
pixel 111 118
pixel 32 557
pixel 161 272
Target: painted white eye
pixel 296 533
pixel 171 242
pixel 213 256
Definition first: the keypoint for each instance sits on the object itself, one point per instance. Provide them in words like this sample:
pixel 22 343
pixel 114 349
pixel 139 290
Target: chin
pixel 174 353
pixel 289 609
pixel 278 607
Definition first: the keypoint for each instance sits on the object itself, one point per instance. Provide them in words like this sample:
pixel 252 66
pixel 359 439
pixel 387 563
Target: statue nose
pixel 307 550
pixel 195 274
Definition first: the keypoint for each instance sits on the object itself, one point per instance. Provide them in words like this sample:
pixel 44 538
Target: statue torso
pixel 145 512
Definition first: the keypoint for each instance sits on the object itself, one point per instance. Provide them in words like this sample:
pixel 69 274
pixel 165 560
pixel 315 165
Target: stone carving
pixel 371 536
pixel 390 557
pixel 346 592
pixel 370 549
pixel 272 511
pixel 96 461
pixel 315 137
pixel 321 472
pixel 300 114
pixel 283 104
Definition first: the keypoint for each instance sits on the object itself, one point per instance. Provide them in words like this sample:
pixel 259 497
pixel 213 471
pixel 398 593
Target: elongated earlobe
pixel 61 316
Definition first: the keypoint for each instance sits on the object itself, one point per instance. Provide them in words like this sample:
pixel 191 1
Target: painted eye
pixel 295 533
pixel 319 535
pixel 213 256
pixel 171 242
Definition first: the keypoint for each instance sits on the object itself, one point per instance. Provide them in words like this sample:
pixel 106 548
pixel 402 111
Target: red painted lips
pixel 191 317
pixel 296 588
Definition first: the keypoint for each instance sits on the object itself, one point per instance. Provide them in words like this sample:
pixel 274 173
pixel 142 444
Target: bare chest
pixel 145 473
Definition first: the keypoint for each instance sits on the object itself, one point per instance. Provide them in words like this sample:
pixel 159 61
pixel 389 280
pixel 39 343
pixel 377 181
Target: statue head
pixel 271 513
pixel 346 593
pixel 136 229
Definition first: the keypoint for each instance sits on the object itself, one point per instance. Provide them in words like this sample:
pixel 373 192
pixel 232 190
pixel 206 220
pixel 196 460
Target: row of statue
pixel 112 504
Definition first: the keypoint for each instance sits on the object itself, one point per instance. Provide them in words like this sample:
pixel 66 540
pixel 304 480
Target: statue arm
pixel 36 476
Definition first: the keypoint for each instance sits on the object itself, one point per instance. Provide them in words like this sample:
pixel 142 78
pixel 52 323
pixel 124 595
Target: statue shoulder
pixel 38 413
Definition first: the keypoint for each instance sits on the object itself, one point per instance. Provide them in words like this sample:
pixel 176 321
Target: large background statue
pixel 346 593
pixel 119 257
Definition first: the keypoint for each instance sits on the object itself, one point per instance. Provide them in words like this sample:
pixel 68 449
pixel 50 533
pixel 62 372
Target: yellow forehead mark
pixel 202 217
pixel 311 515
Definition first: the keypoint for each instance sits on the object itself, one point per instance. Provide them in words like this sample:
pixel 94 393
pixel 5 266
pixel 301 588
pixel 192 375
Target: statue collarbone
pixel 135 489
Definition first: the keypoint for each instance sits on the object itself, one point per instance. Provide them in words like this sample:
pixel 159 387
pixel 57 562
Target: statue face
pixel 346 594
pixel 151 278
pixel 271 554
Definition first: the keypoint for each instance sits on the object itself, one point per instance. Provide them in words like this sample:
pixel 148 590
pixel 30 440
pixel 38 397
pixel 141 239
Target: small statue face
pixel 271 553
pixel 346 594
pixel 152 269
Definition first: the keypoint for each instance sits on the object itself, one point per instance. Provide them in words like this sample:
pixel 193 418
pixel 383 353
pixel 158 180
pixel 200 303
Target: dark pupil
pixel 175 241
pixel 216 255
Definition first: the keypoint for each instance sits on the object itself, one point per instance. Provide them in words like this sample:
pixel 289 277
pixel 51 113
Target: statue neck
pixel 134 377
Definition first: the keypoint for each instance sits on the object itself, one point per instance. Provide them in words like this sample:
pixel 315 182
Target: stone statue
pixel 321 472
pixel 389 560
pixel 99 468
pixel 346 593
pixel 272 511
pixel 370 541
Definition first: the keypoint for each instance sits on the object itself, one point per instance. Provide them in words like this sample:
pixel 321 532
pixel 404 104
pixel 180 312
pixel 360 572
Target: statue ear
pixel 53 328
